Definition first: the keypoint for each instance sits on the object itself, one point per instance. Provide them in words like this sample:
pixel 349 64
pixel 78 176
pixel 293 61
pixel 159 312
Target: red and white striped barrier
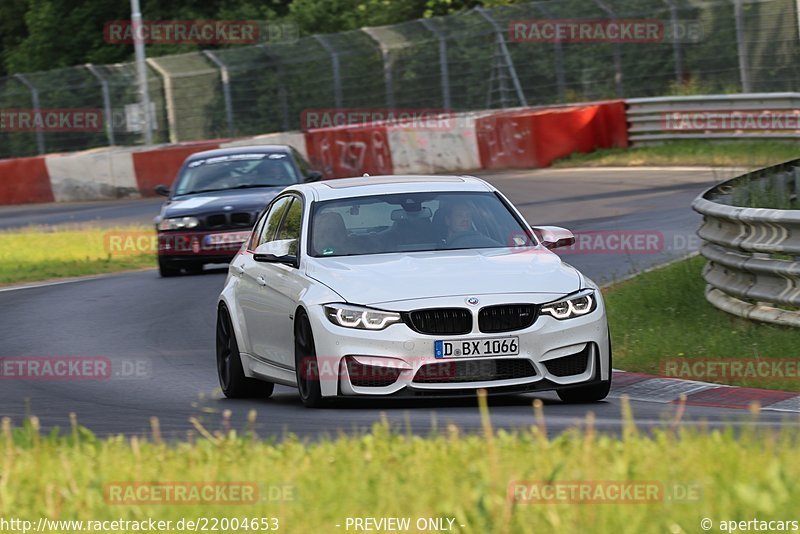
pixel 461 142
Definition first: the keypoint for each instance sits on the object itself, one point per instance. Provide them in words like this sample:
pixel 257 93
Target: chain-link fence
pixel 484 58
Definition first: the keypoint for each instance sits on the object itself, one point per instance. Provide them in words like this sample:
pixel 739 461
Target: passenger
pixel 329 236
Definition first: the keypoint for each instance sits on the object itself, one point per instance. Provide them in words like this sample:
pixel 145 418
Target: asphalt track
pixel 159 333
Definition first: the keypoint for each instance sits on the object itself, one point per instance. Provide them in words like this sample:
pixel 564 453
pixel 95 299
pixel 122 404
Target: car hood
pixel 218 201
pixel 380 278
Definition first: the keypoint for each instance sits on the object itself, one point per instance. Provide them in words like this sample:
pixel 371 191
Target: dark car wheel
pixel 166 270
pixel 232 380
pixel 593 393
pixel 306 366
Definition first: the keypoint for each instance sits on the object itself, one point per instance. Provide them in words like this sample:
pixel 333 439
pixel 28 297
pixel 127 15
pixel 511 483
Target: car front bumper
pixel 553 354
pixel 218 246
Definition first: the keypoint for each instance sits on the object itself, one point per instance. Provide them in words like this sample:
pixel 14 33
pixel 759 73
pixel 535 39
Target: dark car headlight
pixel 577 305
pixel 178 223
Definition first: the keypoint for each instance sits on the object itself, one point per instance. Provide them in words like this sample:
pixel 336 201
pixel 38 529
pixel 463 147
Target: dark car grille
pixel 506 317
pixel 371 376
pixel 573 364
pixel 474 371
pixel 241 219
pixel 446 321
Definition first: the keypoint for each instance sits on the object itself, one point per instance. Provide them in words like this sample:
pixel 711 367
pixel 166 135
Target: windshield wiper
pixel 243 186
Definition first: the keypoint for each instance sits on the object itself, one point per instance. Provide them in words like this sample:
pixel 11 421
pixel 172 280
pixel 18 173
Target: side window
pixel 253 243
pixel 272 220
pixel 302 164
pixel 290 229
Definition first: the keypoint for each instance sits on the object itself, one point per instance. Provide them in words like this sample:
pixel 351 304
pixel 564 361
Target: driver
pixel 458 220
pixel 459 229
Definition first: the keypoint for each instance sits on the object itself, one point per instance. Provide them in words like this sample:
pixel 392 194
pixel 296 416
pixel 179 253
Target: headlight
pixel 573 306
pixel 360 317
pixel 178 223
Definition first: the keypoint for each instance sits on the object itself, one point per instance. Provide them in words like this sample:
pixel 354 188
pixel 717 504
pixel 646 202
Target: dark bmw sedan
pixel 216 199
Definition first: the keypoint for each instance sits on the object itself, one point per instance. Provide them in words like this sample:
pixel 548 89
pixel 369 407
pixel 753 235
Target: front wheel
pixel 593 393
pixel 166 270
pixel 232 380
pixel 306 366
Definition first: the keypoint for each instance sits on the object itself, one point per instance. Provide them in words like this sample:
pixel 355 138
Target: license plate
pixel 467 348
pixel 229 238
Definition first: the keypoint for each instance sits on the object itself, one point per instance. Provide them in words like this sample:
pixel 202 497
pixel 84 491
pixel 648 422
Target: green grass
pixel 689 152
pixel 663 315
pixel 732 476
pixel 36 253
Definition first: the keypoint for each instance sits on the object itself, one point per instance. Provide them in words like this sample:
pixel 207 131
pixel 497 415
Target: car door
pixel 279 288
pixel 249 294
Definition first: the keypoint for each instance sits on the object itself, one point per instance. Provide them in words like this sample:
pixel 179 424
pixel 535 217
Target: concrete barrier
pixel 161 165
pixel 431 150
pixel 92 175
pixel 537 137
pixel 349 151
pixel 24 180
pixel 521 138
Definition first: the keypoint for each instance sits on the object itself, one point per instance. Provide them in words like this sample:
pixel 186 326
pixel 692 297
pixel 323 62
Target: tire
pixel 593 393
pixel 166 270
pixel 305 363
pixel 194 268
pixel 234 384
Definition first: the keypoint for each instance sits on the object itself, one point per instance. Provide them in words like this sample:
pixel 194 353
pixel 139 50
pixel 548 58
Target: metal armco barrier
pixel 654 120
pixel 752 244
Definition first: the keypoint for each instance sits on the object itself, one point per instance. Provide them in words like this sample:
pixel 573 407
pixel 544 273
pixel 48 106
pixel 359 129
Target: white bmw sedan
pixel 407 286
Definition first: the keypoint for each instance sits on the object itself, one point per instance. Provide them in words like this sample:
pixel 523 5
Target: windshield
pixel 413 222
pixel 237 171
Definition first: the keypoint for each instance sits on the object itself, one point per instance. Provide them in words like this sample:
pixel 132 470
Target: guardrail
pixel 734 116
pixel 751 234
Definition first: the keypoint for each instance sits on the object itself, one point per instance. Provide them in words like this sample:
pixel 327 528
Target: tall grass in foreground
pixel 39 253
pixel 387 474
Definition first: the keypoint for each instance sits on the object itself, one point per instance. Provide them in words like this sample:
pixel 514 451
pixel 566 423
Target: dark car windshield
pixel 237 171
pixel 413 222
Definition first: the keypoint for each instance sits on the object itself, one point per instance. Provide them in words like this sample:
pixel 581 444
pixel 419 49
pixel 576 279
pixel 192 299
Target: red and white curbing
pixel 643 387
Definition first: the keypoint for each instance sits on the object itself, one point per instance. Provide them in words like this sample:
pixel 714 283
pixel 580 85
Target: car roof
pixel 248 149
pixel 380 185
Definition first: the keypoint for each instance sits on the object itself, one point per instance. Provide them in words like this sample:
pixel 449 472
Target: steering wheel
pixel 463 239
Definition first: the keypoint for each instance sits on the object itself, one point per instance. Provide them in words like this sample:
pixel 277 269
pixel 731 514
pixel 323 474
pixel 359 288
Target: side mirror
pixel 554 236
pixel 314 176
pixel 276 252
pixel 162 190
